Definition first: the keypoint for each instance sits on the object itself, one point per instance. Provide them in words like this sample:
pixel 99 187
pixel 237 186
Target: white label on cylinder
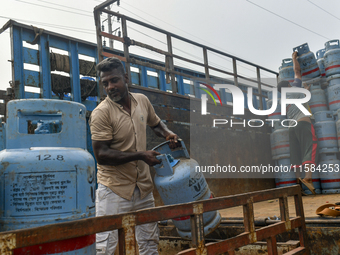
pixel 40 193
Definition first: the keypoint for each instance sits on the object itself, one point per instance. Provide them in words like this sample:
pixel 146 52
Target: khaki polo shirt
pixel 109 121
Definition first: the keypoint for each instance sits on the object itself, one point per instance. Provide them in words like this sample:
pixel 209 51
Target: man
pixel 302 138
pixel 118 128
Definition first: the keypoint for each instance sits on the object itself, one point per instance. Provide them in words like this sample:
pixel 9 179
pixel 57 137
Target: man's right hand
pixel 295 55
pixel 296 66
pixel 150 158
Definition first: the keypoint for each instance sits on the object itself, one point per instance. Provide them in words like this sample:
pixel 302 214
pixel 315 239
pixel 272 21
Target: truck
pixel 176 94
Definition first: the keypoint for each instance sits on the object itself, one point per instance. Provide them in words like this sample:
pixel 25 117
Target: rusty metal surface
pixel 171 245
pixel 67 230
pixel 272 245
pixel 97 22
pixel 243 238
pixel 169 68
pixel 129 222
pixel 126 50
pixel 149 47
pixel 266 233
pixel 109 55
pixel 322 240
pixel 104 4
pixel 249 221
pixel 117 38
pixel 300 212
pixel 284 211
pixel 262 248
pixel 181 38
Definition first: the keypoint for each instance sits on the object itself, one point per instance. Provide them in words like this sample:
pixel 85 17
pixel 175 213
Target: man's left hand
pixel 173 138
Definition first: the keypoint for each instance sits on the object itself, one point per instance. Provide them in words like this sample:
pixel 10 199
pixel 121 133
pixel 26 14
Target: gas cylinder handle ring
pixel 167 143
pixel 164 148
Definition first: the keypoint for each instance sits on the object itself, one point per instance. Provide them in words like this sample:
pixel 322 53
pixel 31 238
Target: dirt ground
pixel 271 208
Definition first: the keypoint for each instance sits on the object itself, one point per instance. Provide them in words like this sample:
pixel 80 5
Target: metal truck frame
pixel 169 93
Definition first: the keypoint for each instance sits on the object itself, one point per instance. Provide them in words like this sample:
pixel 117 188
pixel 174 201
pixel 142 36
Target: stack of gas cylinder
pixel 279 140
pixel 326 119
pixel 323 76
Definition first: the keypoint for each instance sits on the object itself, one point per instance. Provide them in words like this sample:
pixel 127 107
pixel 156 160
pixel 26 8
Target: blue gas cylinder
pixel 325 130
pixel 285 176
pixel 277 113
pixel 47 176
pixel 276 124
pixel 286 70
pixel 320 61
pixel 177 181
pixel 318 101
pixel 309 66
pixel 279 140
pixel 332 57
pixel 333 92
pixel 329 173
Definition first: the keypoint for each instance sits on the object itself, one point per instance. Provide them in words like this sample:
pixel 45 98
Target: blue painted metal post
pixel 245 100
pixel 229 97
pixel 223 95
pixel 264 103
pixel 255 100
pixel 74 71
pixel 197 89
pixel 162 81
pixel 245 96
pixel 45 67
pixel 18 62
pixel 144 77
pixel 180 84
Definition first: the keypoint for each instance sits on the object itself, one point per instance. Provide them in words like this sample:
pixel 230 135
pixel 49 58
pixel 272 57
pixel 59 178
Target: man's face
pixel 114 83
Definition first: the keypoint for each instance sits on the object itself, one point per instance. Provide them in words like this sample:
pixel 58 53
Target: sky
pixel 260 31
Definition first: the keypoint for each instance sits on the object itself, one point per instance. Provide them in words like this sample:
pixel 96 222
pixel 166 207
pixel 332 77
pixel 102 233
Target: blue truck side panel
pixel 45 67
pixel 49 41
pixel 74 68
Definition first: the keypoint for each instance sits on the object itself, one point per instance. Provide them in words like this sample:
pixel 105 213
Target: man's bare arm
pixel 162 130
pixel 296 66
pixel 107 156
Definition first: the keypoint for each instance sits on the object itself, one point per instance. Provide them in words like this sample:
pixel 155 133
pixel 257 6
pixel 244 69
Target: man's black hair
pixel 109 64
pixel 282 84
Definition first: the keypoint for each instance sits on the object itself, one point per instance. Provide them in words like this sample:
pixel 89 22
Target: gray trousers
pixel 109 203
